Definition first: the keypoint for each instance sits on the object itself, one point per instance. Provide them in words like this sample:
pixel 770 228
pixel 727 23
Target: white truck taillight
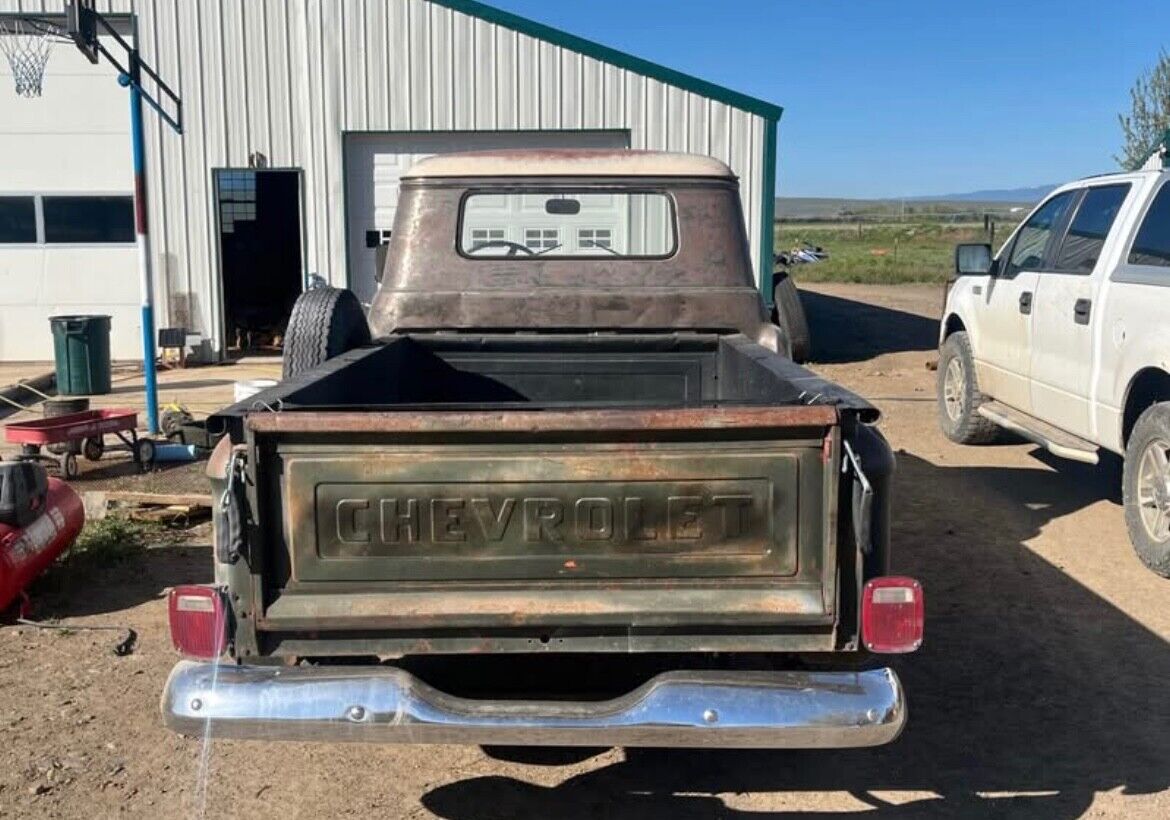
pixel 892 615
pixel 198 617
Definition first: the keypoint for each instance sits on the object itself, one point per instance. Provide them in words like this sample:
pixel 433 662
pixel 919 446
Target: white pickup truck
pixel 1064 338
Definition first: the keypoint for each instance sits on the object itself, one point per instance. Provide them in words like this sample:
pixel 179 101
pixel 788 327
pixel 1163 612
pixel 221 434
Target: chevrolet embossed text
pixel 357 519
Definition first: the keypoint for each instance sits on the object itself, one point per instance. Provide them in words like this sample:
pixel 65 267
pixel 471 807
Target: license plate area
pixel 369 515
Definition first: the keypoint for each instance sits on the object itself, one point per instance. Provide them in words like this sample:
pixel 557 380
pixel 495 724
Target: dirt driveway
pixel 1041 690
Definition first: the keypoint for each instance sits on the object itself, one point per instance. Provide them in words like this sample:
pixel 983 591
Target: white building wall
pixel 71 140
pixel 288 79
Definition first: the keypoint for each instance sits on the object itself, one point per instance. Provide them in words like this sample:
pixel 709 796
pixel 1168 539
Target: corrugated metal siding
pixel 287 78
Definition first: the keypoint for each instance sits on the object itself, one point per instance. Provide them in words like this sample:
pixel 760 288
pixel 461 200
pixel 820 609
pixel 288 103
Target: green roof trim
pixel 768 213
pixel 611 55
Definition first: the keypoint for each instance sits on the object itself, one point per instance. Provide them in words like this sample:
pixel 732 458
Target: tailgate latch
pixel 230 517
pixel 862 500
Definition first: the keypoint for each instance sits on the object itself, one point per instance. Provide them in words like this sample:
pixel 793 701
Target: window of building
pixel 595 238
pixel 1151 246
pixel 1086 235
pixel 237 199
pixel 88 219
pixel 542 239
pixel 18 220
pixel 488 241
pixel 487 235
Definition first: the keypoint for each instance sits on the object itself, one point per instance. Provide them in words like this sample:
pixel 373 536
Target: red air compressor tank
pixel 39 518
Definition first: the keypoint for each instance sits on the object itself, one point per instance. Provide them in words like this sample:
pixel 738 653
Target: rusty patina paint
pixel 707 284
pixel 218 461
pixel 545 420
pixel 368 522
pixel 598 606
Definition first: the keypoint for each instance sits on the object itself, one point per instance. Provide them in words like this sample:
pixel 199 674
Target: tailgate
pixel 410 520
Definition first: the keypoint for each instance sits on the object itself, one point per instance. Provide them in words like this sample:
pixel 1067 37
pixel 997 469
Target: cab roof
pixel 569 163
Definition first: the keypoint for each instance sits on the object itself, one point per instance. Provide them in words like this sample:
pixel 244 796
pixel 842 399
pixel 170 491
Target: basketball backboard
pixel 81 26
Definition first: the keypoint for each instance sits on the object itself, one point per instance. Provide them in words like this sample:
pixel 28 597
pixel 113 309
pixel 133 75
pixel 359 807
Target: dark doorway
pixel 259 214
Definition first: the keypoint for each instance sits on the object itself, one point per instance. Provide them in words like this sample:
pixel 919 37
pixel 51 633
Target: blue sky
pixel 905 98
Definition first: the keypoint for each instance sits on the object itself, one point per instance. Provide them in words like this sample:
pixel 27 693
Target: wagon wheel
pixel 69 468
pixel 144 454
pixel 94 448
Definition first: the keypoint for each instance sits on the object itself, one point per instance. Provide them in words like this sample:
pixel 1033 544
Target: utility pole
pixel 132 79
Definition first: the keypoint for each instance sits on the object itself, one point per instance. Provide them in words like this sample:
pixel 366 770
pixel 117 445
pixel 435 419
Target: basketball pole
pixel 82 23
pixel 132 79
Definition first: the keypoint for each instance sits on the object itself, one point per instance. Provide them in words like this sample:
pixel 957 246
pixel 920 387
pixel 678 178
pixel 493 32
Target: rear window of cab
pixel 559 223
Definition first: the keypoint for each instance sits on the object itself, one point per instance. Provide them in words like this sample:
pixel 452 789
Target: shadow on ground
pixel 76 588
pixel 1031 694
pixel 845 330
pixel 1028 684
pixel 165 387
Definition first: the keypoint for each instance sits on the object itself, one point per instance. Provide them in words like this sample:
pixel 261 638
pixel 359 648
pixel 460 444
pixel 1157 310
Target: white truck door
pixel 1062 312
pixel 1135 333
pixel 1004 313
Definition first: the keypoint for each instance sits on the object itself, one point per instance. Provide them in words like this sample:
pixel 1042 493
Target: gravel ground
pixel 1040 691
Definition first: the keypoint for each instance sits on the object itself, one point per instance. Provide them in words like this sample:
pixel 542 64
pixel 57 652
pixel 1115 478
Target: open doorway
pixel 259 213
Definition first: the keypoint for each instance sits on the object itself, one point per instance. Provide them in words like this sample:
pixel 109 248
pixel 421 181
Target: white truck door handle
pixel 1081 311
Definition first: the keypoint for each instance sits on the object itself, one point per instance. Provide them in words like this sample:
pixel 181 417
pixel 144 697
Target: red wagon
pixel 89 427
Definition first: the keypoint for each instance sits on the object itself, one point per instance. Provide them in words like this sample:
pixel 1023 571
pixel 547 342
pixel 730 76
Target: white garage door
pixel 374 164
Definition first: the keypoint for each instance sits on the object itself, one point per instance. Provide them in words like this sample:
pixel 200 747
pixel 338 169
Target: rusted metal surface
pixel 647 604
pixel 707 284
pixel 549 454
pixel 620 640
pixel 218 461
pixel 393 514
pixel 545 420
pixel 575 162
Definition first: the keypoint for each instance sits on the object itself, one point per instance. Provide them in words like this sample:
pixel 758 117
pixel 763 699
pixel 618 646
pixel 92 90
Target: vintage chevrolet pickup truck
pixel 561 485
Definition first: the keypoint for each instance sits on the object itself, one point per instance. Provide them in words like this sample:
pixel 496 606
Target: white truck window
pixel 1086 235
pixel 1151 246
pixel 1034 237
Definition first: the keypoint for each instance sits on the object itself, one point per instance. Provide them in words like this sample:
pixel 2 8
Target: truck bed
pixel 551 371
pixel 452 493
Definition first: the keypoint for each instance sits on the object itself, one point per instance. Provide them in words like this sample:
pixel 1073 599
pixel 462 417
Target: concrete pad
pixel 202 390
pixel 13 372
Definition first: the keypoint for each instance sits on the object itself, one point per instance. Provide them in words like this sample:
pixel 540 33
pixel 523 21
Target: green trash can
pixel 81 348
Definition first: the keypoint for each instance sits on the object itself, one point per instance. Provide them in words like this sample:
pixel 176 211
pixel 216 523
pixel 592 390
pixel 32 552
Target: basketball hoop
pixel 27 45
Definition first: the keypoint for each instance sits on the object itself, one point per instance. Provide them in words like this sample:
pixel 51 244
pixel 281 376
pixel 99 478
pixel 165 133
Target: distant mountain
pixel 1021 195
pixel 1003 202
pixel 792 209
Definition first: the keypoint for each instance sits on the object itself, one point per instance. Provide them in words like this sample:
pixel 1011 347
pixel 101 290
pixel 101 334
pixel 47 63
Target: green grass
pixel 109 542
pixel 110 550
pixel 882 253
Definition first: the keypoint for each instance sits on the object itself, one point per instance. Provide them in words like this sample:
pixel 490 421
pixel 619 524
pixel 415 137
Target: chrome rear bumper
pixel 688 709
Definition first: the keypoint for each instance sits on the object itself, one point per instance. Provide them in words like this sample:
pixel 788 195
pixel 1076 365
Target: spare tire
pixel 325 322
pixel 62 407
pixel 790 316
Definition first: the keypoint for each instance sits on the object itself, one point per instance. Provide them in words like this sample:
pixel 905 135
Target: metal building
pixel 299 118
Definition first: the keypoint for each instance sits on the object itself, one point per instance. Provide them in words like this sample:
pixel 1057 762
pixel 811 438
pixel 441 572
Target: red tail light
pixel 198 618
pixel 892 615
